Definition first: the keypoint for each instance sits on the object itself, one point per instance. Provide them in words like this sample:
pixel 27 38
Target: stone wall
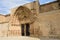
pixel 4 29
pixel 43 8
pixel 49 7
pixel 2 18
pixel 49 23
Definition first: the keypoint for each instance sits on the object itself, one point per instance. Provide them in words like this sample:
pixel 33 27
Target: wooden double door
pixel 25 29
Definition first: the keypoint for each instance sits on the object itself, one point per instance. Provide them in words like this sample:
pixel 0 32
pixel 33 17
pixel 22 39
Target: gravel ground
pixel 25 38
pixel 49 38
pixel 18 38
pixel 46 38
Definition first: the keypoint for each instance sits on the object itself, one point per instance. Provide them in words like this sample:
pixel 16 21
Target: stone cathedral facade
pixel 32 19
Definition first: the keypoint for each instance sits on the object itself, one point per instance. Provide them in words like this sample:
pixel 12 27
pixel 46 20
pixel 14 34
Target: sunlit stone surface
pixel 18 38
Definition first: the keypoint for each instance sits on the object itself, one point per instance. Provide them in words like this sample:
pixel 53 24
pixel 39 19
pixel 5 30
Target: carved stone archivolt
pixel 24 14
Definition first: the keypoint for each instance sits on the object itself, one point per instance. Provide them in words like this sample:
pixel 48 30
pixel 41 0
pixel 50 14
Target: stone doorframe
pixel 25 29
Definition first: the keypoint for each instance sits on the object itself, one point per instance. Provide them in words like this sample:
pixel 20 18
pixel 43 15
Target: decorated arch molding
pixel 23 14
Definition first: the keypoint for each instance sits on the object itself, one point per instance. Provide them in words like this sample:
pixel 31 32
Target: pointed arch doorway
pixel 25 29
pixel 25 18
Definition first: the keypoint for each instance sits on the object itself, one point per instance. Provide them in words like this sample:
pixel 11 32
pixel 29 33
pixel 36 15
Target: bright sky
pixel 6 5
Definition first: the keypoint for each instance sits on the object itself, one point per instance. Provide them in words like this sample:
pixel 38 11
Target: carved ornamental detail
pixel 24 14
